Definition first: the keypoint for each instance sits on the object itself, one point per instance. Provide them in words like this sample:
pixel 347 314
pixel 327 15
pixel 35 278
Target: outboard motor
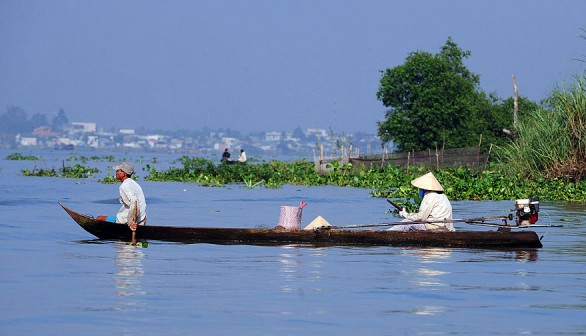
pixel 527 211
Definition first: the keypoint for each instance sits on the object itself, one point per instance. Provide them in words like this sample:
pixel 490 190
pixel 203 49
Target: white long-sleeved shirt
pixel 434 207
pixel 130 191
pixel 242 157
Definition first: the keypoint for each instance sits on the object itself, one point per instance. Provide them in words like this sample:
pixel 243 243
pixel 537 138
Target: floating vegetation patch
pixel 462 183
pixel 77 171
pixel 18 156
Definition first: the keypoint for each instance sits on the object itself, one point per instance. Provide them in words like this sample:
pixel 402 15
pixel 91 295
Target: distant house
pixel 44 131
pixel 229 142
pixel 83 127
pixel 273 136
pixel 155 140
pixel 26 141
pixel 93 141
pixel 319 133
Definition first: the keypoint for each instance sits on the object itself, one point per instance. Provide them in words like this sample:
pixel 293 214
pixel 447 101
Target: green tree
pixel 14 120
pixel 498 115
pixel 59 121
pixel 298 133
pixel 432 100
pixel 38 119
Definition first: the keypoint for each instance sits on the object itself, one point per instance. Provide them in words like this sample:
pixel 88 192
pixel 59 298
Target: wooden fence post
pixel 515 103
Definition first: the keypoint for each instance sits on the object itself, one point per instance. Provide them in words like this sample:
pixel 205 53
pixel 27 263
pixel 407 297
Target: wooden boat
pixel 499 239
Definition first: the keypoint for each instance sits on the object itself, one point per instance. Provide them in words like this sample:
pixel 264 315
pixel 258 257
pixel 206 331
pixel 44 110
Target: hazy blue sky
pixel 265 65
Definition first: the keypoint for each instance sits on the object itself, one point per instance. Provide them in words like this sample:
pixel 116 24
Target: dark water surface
pixel 55 279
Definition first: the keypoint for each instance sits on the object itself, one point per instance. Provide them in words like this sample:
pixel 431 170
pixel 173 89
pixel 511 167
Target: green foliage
pixel 109 179
pixel 59 121
pixel 429 98
pixel 551 142
pixel 84 159
pixel 18 156
pixel 434 101
pixel 77 171
pixel 15 120
pixel 495 114
pixel 494 183
pixel 392 182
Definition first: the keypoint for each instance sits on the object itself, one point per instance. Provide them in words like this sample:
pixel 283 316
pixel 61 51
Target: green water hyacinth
pixel 461 183
pixel 18 156
pixel 77 171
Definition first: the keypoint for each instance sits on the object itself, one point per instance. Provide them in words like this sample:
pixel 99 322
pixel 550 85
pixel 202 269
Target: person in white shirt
pixel 132 198
pixel 242 156
pixel 435 207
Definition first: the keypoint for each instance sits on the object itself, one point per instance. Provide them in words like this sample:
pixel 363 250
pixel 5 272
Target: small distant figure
pixel 242 156
pixel 226 156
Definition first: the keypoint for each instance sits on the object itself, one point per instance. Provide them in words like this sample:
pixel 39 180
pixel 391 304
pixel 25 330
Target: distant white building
pixel 126 131
pixel 176 144
pixel 85 127
pixel 273 136
pixel 230 142
pixel 289 137
pixel 93 141
pixel 26 140
pixel 319 133
pixel 154 139
pixel 67 141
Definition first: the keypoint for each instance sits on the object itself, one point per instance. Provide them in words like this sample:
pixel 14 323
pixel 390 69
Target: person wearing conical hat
pixel 434 207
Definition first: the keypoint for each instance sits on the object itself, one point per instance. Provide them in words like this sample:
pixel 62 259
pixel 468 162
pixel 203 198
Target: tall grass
pixel 551 141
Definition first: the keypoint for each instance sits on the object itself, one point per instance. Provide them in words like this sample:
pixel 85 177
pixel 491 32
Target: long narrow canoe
pixel 333 237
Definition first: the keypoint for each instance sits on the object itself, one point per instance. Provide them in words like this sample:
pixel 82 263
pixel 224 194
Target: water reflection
pixel 430 310
pixel 526 255
pixel 127 277
pixel 293 268
pixel 433 255
pixel 429 275
pixel 290 262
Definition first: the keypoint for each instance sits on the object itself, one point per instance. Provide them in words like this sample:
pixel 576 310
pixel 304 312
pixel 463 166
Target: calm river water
pixel 55 279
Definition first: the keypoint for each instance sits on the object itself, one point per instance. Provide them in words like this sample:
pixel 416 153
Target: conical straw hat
pixel 427 182
pixel 319 221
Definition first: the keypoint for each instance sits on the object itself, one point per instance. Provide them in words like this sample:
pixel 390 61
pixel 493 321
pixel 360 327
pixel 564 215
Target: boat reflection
pixel 127 277
pixel 430 275
pixel 290 260
pixel 521 255
pixel 433 255
pixel 526 255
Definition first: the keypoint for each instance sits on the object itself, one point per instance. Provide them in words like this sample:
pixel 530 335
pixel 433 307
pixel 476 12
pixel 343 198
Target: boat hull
pixel 333 237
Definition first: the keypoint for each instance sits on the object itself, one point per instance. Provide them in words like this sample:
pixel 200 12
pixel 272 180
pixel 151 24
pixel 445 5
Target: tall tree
pixel 59 121
pixel 38 119
pixel 14 120
pixel 298 133
pixel 432 100
pixel 496 114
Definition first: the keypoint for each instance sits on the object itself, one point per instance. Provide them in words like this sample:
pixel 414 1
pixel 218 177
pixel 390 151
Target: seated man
pixel 132 199
pixel 242 156
pixel 435 207
pixel 226 156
